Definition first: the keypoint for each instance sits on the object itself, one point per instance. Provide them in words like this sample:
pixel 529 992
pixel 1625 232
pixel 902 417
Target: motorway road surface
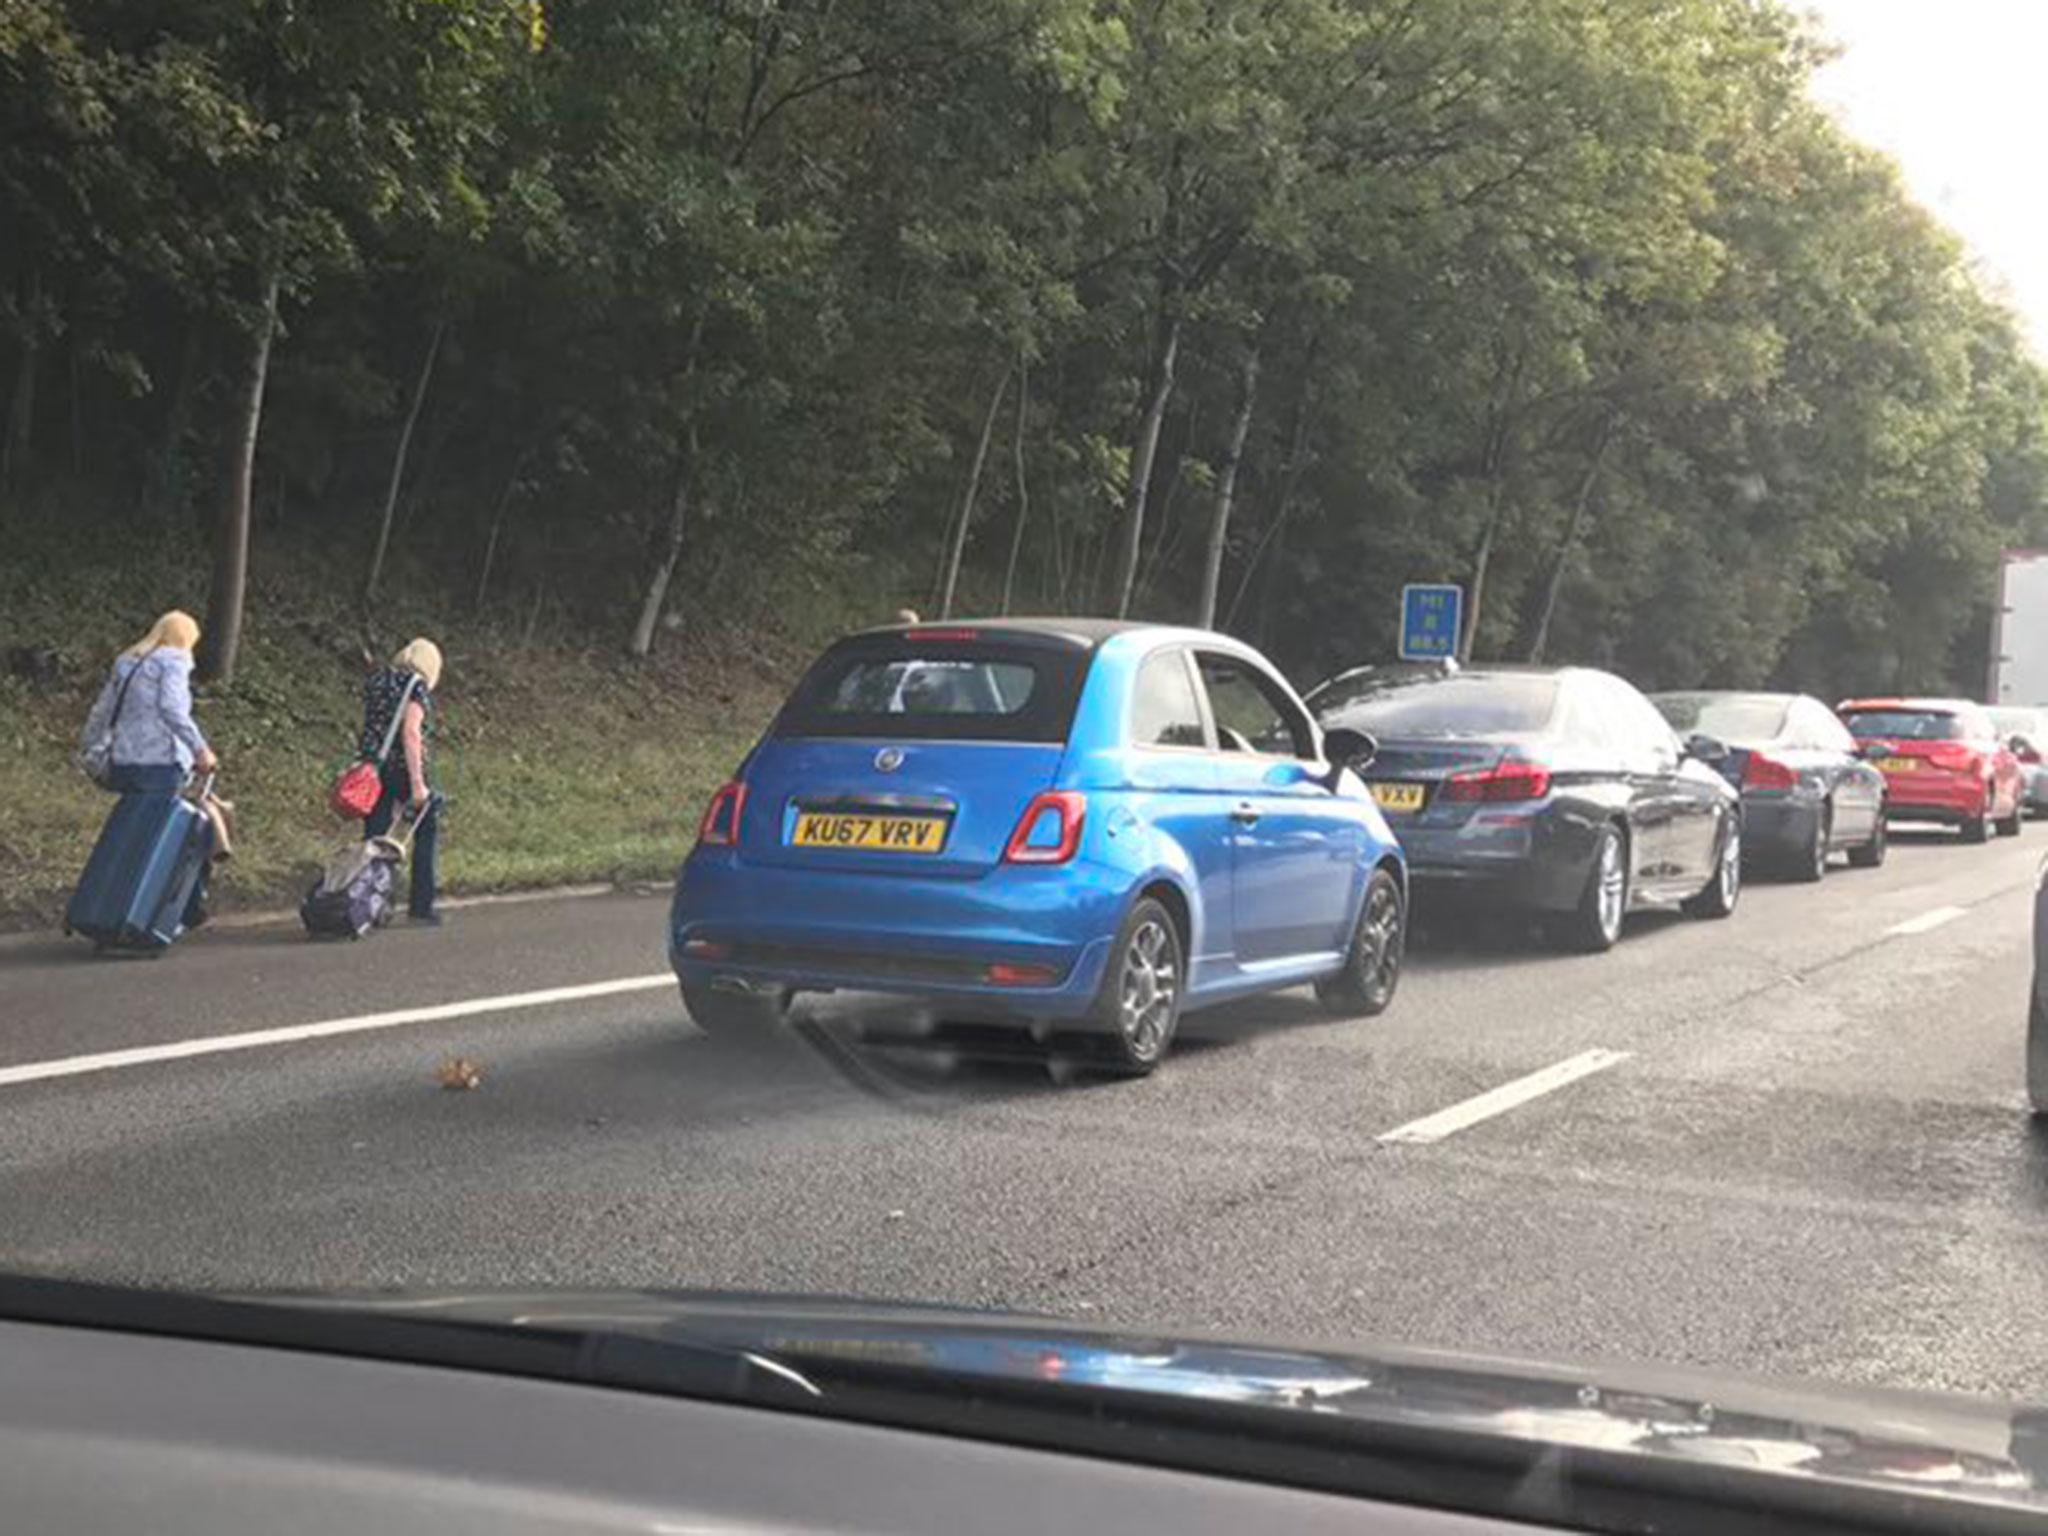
pixel 1794 1142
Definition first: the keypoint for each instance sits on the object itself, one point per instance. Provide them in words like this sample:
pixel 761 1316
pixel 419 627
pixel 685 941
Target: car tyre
pixel 1870 855
pixel 2009 826
pixel 1812 864
pixel 1138 1007
pixel 1372 965
pixel 1725 889
pixel 735 1015
pixel 1594 925
pixel 1978 828
pixel 2037 1051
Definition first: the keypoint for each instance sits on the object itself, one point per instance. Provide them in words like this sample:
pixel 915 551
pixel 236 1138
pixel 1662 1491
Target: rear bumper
pixel 914 936
pixel 1536 860
pixel 1927 797
pixel 1777 827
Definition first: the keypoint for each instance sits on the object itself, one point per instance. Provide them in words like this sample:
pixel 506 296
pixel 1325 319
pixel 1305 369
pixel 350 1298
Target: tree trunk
pixel 1023 491
pixel 1226 491
pixel 1159 389
pixel 1494 466
pixel 412 416
pixel 483 578
pixel 957 545
pixel 1574 530
pixel 641 642
pixel 74 379
pixel 1290 481
pixel 230 584
pixel 21 402
pixel 166 476
pixel 672 550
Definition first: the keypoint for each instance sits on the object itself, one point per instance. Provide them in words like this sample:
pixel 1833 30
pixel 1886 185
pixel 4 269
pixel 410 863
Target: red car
pixel 1942 760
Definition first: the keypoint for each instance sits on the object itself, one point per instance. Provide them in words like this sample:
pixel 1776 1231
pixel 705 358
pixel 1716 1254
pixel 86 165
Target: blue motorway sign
pixel 1432 617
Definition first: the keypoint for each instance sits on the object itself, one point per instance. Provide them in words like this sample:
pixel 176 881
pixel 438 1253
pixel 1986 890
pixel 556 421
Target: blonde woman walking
pixel 405 688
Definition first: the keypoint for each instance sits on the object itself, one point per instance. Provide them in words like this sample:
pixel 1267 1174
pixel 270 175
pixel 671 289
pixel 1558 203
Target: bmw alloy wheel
pixel 1613 887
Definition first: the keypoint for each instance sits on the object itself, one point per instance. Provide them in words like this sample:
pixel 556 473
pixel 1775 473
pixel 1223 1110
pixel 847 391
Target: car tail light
pixel 1762 772
pixel 1049 832
pixel 1003 974
pixel 942 634
pixel 721 825
pixel 2026 755
pixel 1512 779
pixel 707 949
pixel 1955 759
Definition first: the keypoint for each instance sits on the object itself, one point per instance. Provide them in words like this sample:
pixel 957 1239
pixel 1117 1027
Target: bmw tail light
pixel 1762 772
pixel 1512 779
pixel 1049 832
pixel 721 825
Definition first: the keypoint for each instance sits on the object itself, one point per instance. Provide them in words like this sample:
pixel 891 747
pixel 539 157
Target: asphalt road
pixel 1810 1155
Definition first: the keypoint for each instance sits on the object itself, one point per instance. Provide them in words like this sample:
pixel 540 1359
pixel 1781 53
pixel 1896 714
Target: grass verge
pixel 562 763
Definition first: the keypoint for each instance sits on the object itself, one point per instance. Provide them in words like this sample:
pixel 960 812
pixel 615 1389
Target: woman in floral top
pixel 406 688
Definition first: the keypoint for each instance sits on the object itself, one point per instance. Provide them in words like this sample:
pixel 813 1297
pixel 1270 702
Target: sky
pixel 1954 90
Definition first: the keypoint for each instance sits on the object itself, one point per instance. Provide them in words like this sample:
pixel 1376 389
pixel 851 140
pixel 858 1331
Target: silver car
pixel 2026 732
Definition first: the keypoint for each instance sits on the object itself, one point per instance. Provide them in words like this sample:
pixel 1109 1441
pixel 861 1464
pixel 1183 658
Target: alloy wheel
pixel 1613 886
pixel 1380 955
pixel 1150 985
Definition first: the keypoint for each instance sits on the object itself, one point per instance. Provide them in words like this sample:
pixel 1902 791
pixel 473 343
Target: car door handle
pixel 1245 816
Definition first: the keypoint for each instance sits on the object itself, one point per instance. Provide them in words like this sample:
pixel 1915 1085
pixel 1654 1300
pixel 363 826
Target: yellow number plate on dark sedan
pixel 882 834
pixel 1398 797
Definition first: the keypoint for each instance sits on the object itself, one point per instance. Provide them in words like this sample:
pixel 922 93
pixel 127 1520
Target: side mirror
pixel 1706 749
pixel 1345 748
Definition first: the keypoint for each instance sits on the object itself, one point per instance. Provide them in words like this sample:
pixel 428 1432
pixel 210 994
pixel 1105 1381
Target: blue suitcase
pixel 141 873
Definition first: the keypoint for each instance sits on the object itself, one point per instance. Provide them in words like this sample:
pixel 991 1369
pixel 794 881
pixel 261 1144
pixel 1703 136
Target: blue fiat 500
pixel 1080 823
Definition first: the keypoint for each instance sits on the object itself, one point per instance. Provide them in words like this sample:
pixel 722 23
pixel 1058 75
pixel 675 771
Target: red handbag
pixel 361 785
pixel 357 791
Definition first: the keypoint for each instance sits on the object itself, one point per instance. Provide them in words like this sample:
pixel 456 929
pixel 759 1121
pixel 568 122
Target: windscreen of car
pixel 1905 724
pixel 1737 718
pixel 1468 704
pixel 939 690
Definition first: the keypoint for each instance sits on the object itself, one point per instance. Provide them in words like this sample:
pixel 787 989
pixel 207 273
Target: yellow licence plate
pixel 1398 797
pixel 884 834
pixel 1899 764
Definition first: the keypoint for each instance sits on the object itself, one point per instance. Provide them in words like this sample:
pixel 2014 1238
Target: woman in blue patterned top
pixel 144 714
pixel 406 688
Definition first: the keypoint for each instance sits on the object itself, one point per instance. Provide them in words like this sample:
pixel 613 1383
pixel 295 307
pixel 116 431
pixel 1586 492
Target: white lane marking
pixel 213 1045
pixel 1447 1122
pixel 1926 921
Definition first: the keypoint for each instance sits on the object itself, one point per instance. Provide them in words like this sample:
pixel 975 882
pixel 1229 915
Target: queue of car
pixel 1090 828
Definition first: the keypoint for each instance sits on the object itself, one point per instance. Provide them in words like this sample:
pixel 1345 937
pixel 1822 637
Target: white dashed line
pixel 1447 1122
pixel 1926 921
pixel 214 1045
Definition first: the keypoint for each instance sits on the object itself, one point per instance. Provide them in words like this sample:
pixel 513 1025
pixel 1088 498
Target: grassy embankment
pixel 562 762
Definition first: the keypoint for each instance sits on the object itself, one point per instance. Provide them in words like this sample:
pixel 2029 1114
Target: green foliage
pixel 1587 299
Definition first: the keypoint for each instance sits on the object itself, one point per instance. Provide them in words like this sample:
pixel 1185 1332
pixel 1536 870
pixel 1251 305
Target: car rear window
pixel 1905 724
pixel 939 690
pixel 1467 704
pixel 1731 717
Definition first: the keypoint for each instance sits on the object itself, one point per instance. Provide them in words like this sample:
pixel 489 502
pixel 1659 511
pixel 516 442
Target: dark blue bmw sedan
pixel 1069 821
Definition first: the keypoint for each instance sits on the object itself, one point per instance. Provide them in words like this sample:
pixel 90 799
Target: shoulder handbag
pixel 361 784
pixel 96 756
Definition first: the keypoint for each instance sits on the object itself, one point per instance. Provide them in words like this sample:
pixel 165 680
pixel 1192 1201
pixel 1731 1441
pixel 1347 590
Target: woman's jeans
pixel 166 779
pixel 396 796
